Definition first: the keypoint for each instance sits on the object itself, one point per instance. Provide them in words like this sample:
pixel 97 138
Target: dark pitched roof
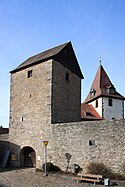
pixel 63 53
pixel 89 113
pixel 4 130
pixel 101 86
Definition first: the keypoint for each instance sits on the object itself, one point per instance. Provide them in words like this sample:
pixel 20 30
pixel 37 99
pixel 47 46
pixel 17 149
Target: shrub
pixel 101 169
pixel 49 167
pixel 56 169
pixel 98 169
pixel 117 176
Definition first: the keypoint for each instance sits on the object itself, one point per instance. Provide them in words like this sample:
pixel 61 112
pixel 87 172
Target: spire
pixel 101 85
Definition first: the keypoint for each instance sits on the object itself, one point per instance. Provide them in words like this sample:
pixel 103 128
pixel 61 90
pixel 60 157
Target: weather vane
pixel 100 60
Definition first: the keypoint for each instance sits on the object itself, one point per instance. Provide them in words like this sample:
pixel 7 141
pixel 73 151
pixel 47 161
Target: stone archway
pixel 27 157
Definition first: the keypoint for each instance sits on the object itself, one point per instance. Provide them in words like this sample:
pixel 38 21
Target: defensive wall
pixel 4 142
pixel 98 141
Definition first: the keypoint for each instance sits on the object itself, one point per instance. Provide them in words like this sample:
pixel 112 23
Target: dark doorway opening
pixel 28 157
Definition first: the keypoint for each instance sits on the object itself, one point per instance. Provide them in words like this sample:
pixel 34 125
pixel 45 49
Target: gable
pixel 64 54
pixel 68 59
pixel 102 86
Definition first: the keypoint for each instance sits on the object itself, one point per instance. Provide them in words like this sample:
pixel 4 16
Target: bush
pixel 49 167
pixel 101 169
pixel 98 169
pixel 56 169
pixel 117 176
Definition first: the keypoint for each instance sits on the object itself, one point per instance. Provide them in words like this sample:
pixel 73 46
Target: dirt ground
pixel 30 178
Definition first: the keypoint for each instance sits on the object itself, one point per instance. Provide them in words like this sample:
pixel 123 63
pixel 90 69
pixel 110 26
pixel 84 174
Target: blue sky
pixel 95 27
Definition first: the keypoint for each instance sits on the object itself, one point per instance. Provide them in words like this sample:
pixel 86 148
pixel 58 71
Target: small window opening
pixel 96 103
pixel 91 142
pixel 110 102
pixel 89 114
pixel 29 75
pixel 111 90
pixel 22 118
pixel 67 76
pixel 30 95
pixel 92 93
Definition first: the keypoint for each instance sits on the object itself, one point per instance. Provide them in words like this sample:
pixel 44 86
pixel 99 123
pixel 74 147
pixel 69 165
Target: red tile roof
pixel 101 85
pixel 89 113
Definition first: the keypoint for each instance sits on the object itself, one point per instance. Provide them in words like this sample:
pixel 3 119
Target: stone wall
pixel 4 145
pixel 99 141
pixel 66 95
pixel 39 100
pixel 45 98
pixel 30 108
pixel 4 137
pixel 76 138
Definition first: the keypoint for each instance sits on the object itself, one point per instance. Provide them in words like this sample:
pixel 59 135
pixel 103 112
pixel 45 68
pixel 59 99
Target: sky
pixel 95 28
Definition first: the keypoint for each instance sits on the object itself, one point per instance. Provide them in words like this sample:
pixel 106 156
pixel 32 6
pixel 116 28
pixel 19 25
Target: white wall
pixel 114 111
pixel 99 108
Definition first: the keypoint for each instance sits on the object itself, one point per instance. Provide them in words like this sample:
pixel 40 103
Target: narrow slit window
pixel 67 76
pixel 91 142
pixel 96 103
pixel 29 74
pixel 92 93
pixel 110 102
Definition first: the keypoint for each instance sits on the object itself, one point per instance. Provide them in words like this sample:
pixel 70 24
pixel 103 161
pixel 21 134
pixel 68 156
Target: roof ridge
pixel 49 49
pixel 41 56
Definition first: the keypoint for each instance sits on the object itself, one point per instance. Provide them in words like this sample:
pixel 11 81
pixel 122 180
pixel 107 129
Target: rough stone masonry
pixel 45 100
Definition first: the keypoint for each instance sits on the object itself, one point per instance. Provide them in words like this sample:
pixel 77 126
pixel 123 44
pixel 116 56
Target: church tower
pixel 104 97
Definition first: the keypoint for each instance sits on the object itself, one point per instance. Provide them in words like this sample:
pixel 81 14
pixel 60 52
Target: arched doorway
pixel 28 157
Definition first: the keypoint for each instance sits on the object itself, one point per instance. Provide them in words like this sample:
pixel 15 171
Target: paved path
pixel 31 178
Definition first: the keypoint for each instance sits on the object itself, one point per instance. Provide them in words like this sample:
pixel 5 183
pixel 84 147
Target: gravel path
pixel 31 178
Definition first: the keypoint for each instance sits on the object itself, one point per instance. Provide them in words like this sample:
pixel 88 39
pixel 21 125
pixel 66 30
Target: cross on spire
pixel 100 60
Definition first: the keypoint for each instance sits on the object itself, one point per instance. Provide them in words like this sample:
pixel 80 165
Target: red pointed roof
pixel 102 86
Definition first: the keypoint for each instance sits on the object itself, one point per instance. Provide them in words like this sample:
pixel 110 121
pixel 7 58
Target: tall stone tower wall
pixel 41 95
pixel 66 94
pixel 30 107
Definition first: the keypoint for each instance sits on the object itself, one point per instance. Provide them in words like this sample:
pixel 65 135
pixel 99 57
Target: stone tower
pixel 104 98
pixel 45 89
